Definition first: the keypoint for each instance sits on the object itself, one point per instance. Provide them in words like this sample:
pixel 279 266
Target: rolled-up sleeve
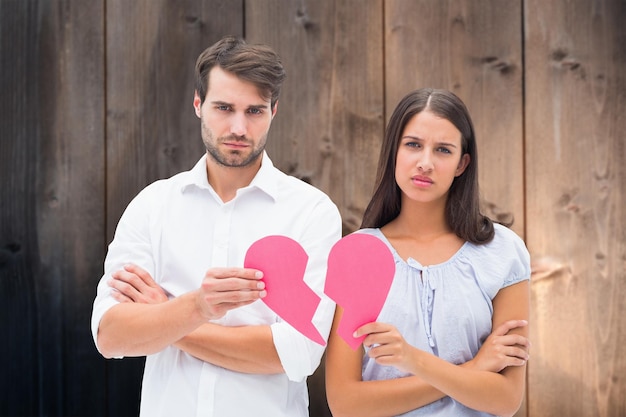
pixel 299 355
pixel 131 243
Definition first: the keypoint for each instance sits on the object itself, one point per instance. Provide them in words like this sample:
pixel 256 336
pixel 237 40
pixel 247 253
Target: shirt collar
pixel 265 180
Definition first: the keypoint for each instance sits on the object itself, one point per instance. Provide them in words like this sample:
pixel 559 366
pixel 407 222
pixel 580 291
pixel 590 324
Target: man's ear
pixel 463 163
pixel 197 103
pixel 274 109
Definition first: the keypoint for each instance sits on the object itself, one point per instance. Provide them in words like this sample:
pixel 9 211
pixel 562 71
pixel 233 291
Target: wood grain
pixel 52 204
pixel 330 118
pixel 575 106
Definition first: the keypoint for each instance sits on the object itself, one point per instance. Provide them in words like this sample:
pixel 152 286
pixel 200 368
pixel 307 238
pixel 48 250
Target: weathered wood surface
pixel 330 117
pixel 576 193
pixel 52 227
pixel 97 103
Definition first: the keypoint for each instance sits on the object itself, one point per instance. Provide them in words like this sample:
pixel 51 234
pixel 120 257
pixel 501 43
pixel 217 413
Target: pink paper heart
pixel 283 262
pixel 360 272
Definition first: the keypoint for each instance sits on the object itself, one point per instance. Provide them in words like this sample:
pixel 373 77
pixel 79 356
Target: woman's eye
pixel 444 150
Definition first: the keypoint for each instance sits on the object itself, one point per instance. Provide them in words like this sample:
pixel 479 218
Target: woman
pixel 458 276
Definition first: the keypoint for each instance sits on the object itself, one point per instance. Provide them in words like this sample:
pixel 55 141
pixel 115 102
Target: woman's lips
pixel 422 181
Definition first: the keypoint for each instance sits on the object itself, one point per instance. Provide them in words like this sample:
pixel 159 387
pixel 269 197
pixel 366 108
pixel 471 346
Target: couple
pixel 451 338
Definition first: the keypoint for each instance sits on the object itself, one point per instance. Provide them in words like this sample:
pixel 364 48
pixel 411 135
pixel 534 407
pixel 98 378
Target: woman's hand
pixel 387 346
pixel 502 349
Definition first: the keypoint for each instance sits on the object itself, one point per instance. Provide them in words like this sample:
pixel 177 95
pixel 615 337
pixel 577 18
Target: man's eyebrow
pixel 221 103
pixel 259 106
pixel 251 106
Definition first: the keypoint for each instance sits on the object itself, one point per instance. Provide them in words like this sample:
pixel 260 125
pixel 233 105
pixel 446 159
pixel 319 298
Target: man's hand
pixel 222 289
pixel 134 284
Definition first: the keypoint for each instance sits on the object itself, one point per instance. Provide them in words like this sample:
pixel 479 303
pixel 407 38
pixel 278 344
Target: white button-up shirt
pixel 177 229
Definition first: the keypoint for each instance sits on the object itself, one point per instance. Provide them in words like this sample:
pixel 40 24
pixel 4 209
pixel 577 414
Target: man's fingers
pixel 216 304
pixel 231 285
pixel 243 273
pixel 137 271
pixel 119 296
pixel 129 278
pixel 232 296
pixel 127 286
pixel 224 289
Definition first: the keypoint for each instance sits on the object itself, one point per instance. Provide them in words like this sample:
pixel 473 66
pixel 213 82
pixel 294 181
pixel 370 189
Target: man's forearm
pixel 247 349
pixel 136 329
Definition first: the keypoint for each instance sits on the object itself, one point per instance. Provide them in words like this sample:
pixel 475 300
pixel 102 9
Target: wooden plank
pixel 18 231
pixel 576 221
pixel 51 232
pixel 152 130
pixel 70 224
pixel 473 48
pixel 330 116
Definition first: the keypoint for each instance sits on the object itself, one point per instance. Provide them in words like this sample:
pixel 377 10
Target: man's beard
pixel 234 158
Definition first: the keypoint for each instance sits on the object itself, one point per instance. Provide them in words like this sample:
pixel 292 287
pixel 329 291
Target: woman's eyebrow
pixel 452 145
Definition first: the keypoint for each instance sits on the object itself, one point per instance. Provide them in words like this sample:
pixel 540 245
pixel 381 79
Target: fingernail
pixel 258 274
pixel 260 285
pixel 262 294
pixel 354 335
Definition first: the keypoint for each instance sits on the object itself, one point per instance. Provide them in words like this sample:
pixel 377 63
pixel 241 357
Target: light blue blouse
pixel 446 309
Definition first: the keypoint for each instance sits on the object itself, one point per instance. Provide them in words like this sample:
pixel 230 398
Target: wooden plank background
pixel 576 193
pixel 97 103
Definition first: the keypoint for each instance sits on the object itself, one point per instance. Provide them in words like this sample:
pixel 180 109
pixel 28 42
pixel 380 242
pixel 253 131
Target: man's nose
pixel 239 125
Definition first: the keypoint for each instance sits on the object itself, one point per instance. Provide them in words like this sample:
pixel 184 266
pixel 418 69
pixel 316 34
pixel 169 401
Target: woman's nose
pixel 425 163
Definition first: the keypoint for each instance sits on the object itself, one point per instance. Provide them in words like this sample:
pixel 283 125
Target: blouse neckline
pixel 414 262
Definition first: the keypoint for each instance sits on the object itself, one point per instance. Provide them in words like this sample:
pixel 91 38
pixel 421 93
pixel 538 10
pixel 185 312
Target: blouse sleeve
pixel 514 253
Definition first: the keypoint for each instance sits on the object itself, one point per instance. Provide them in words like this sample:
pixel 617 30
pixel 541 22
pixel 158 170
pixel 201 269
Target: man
pixel 174 287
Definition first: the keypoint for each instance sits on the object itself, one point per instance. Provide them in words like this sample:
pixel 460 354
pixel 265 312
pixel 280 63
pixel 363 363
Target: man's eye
pixel 223 108
pixel 255 111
